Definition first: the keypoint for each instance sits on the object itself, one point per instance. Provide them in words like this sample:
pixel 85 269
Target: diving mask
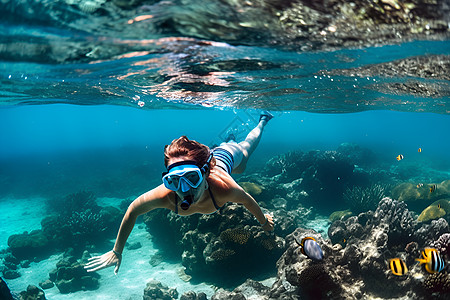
pixel 182 176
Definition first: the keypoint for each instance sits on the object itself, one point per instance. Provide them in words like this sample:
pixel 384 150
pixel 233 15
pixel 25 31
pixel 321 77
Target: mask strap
pixel 180 163
pixel 205 167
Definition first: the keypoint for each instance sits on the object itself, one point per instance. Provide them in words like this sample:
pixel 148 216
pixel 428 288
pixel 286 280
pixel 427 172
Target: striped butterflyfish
pixel 398 266
pixel 432 260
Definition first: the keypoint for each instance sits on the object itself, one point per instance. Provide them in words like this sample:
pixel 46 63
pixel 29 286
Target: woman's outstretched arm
pixel 156 198
pixel 242 197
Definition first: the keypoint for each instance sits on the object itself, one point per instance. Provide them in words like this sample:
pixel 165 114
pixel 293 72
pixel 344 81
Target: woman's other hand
pixel 106 260
pixel 269 224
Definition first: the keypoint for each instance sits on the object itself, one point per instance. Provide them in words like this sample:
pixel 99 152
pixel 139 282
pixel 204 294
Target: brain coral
pixel 235 235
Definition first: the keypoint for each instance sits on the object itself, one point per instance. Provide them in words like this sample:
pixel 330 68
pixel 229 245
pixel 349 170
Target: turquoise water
pixel 99 121
pixel 64 148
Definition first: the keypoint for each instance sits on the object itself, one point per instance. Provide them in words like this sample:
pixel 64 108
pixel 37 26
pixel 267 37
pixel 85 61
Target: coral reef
pixel 442 244
pixel 358 269
pixel 438 283
pixel 214 247
pixel 70 275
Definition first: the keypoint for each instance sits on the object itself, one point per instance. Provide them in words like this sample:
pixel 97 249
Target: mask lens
pixel 192 177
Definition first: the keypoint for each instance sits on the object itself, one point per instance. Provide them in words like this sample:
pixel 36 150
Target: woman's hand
pixel 269 223
pixel 104 261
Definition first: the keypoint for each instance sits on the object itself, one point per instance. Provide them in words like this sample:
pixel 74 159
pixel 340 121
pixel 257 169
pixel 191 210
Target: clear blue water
pixel 101 125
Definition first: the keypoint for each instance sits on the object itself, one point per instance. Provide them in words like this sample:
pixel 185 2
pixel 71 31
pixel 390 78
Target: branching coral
pixel 85 223
pixel 363 199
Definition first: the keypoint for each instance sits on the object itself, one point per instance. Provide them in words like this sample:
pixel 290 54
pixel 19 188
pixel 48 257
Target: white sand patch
pixel 19 215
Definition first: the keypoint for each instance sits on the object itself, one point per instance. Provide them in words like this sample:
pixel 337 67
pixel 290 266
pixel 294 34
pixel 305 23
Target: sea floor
pixel 135 271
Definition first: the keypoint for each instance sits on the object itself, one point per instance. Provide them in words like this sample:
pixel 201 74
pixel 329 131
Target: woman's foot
pixel 265 116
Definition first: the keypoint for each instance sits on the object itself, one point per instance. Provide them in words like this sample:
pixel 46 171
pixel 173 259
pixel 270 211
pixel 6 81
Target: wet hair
pixel 192 150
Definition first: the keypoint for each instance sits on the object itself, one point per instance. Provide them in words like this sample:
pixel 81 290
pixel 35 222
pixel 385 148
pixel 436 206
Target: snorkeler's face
pixel 193 193
pixel 186 179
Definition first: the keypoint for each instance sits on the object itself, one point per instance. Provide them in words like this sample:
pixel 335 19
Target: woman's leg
pixel 250 143
pixel 242 151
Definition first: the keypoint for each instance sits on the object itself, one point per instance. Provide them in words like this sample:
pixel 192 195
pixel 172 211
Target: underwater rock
pixel 70 276
pixel 157 290
pixel 11 274
pixel 427 233
pixel 134 246
pixel 29 245
pixel 193 296
pixel 5 293
pixel 47 284
pixel 436 210
pixel 32 293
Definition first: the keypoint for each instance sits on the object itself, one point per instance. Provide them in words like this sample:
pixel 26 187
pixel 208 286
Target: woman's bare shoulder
pixel 224 186
pixel 159 197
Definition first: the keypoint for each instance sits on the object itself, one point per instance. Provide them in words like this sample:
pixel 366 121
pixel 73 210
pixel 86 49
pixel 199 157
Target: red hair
pixel 192 150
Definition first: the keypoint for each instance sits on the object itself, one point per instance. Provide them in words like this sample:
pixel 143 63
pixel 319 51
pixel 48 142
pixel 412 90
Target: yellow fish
pixel 419 150
pixel 432 260
pixel 398 266
pixel 399 157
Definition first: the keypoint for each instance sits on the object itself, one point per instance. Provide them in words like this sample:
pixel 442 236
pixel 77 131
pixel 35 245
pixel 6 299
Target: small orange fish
pixel 419 150
pixel 398 266
pixel 399 157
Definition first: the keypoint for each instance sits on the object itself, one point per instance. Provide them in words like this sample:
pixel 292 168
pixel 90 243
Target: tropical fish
pixel 398 266
pixel 419 185
pixel 419 150
pixel 310 248
pixel 432 260
pixel 433 188
pixel 399 157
